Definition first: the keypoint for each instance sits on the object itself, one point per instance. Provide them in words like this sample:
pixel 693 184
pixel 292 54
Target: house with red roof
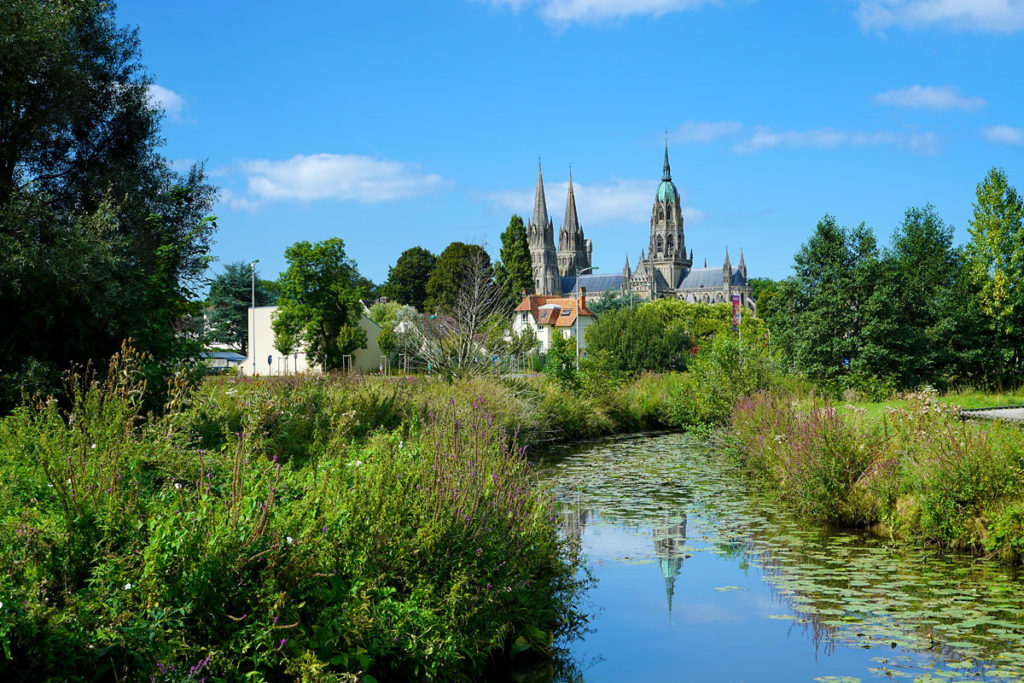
pixel 549 315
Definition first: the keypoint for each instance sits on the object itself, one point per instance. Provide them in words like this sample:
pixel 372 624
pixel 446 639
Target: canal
pixel 700 577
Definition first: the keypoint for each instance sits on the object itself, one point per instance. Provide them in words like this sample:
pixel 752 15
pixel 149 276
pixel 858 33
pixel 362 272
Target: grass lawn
pixel 968 398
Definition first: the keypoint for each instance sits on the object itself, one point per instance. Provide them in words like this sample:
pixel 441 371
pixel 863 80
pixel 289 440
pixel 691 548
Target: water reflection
pixel 754 578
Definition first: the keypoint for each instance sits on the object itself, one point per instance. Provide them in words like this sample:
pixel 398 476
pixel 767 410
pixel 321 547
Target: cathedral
pixel 665 270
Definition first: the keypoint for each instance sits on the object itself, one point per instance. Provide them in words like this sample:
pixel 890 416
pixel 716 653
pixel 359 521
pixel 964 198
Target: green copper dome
pixel 667 192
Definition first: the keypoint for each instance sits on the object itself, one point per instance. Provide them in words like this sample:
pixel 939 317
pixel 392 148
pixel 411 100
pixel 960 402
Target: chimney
pixel 583 299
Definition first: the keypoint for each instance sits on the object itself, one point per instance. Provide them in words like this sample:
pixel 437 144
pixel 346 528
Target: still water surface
pixel 701 578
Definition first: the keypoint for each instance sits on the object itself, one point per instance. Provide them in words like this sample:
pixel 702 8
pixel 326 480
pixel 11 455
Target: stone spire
pixel 541 238
pixel 727 269
pixel 572 220
pixel 743 266
pixel 626 272
pixel 666 170
pixel 540 206
pixel 573 254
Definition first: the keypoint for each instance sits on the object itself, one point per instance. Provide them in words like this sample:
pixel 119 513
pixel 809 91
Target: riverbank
pixel 299 527
pixel 912 469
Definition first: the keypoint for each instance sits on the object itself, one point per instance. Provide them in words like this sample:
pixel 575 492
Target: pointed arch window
pixel 669 244
pixel 659 246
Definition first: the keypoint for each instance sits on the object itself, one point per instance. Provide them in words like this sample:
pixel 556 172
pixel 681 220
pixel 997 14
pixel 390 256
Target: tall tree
pixel 833 315
pixel 227 307
pixel 449 273
pixel 88 207
pixel 996 252
pixel 407 279
pixel 319 303
pixel 514 272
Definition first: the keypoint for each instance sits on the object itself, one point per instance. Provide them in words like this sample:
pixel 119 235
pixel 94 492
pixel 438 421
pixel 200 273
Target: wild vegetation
pixel 914 470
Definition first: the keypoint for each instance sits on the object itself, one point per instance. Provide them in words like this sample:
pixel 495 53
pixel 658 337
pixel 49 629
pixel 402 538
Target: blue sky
pixel 395 124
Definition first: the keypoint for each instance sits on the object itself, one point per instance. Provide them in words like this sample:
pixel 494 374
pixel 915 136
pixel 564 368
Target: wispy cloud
pixel 596 11
pixel 1004 135
pixel 607 203
pixel 168 100
pixel 830 138
pixel 939 97
pixel 703 131
pixel 340 177
pixel 992 16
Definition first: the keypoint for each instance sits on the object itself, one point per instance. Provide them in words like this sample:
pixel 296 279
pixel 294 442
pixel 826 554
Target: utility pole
pixel 252 327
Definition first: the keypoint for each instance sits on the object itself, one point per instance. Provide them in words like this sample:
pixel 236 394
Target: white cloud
pixel 594 11
pixel 996 16
pixel 704 131
pixel 168 100
pixel 1004 135
pixel 829 138
pixel 937 97
pixel 608 203
pixel 341 177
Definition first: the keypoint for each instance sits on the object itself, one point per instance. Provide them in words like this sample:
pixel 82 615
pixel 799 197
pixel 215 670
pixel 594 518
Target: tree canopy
pixel 227 306
pixel 319 303
pixel 449 274
pixel 407 279
pixel 514 272
pixel 996 253
pixel 102 239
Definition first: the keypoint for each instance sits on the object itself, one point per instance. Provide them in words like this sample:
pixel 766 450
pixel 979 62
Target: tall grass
pixel 917 469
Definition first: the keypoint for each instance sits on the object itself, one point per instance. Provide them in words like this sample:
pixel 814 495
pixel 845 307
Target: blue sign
pixel 270 360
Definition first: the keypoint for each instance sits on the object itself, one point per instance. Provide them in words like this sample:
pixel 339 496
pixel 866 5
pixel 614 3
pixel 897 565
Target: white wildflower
pixel 177 484
pixel 93 447
pixel 128 586
pixel 289 539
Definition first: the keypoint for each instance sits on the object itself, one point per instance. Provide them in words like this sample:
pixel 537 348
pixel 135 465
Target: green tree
pixel 610 301
pixel 449 274
pixel 836 314
pixel 996 253
pixel 89 208
pixel 407 279
pixel 514 272
pixel 319 304
pixel 227 307
pixel 560 362
pixel 657 336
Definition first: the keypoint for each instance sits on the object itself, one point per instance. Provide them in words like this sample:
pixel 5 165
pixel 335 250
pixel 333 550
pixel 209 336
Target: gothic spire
pixel 540 206
pixel 666 170
pixel 742 265
pixel 572 221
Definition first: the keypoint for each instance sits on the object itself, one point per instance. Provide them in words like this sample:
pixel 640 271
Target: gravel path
pixel 1015 414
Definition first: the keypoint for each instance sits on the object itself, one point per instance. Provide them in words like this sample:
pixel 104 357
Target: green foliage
pixel 448 275
pixel 656 336
pixel 102 239
pixel 560 363
pixel 918 469
pixel 227 307
pixel 996 253
pixel 386 340
pixel 610 301
pixel 514 272
pixel 407 279
pixel 319 304
pixel 293 538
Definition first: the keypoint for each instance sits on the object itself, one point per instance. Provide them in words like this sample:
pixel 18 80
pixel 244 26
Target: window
pixel 566 311
pixel 525 317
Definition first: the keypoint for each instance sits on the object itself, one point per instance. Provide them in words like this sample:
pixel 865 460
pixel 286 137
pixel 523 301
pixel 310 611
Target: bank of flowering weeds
pixel 312 529
pixel 918 471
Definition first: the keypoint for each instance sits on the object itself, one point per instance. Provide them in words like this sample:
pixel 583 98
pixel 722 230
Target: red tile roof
pixel 553 316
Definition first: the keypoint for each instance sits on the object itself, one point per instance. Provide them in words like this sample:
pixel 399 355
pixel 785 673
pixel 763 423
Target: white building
pixel 270 361
pixel 548 315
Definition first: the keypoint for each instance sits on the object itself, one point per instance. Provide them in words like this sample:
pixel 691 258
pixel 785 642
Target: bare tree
pixel 455 343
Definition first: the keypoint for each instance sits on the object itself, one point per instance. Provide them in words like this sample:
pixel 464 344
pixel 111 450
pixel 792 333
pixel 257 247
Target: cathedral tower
pixel 541 238
pixel 573 249
pixel 668 244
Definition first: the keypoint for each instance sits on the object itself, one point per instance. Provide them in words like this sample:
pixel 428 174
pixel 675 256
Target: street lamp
pixel 252 349
pixel 579 271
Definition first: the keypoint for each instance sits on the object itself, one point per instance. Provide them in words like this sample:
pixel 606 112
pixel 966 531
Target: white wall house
pixel 549 315
pixel 270 361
